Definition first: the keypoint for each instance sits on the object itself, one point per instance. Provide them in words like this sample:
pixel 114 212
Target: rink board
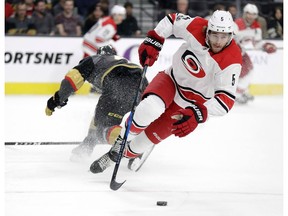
pixel 51 88
pixel 38 65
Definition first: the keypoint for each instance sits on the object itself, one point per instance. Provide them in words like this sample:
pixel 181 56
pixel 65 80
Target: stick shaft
pixel 137 97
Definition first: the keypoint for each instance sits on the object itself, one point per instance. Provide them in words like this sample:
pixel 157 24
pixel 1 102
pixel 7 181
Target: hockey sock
pixel 140 143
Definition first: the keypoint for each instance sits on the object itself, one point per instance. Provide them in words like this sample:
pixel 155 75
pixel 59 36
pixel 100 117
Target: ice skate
pixel 135 164
pixel 107 159
pixel 249 96
pixel 241 99
pixel 101 164
pixel 244 98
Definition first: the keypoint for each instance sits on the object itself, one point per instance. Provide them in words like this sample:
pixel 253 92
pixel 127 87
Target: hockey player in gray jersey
pixel 117 81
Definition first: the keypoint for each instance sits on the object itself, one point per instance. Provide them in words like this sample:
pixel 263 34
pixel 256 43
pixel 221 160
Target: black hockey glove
pixel 54 102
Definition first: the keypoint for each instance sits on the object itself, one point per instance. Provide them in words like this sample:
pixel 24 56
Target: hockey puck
pixel 161 203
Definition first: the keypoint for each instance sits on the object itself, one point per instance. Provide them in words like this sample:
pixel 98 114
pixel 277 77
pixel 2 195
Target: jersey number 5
pixel 233 79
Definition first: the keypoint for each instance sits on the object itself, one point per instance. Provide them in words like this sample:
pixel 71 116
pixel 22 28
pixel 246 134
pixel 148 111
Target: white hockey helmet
pixel 221 21
pixel 117 9
pixel 250 8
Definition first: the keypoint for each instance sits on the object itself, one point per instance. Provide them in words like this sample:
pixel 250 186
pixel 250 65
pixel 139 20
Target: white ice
pixel 230 166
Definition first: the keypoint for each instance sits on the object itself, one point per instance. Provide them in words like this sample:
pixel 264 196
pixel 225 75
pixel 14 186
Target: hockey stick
pixel 260 49
pixel 42 143
pixel 114 185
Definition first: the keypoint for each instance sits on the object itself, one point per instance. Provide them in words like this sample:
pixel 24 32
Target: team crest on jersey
pixel 192 64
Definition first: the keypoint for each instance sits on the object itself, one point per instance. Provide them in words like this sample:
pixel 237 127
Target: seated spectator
pixel 20 23
pixel 263 24
pixel 275 24
pixel 67 23
pixel 92 18
pixel 216 7
pixel 164 4
pixel 44 21
pixel 29 7
pixel 49 6
pixel 182 6
pixel 84 6
pixel 232 8
pixel 105 7
pixel 8 9
pixel 58 8
pixel 199 8
pixel 129 26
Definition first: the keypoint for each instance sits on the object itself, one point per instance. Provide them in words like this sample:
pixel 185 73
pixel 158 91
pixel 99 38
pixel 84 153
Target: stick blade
pixel 115 185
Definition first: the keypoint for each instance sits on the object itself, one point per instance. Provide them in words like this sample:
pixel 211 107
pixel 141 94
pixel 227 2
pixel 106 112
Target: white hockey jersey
pixel 249 36
pixel 99 35
pixel 199 74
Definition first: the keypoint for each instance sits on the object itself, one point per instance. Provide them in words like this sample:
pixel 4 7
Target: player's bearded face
pixel 218 40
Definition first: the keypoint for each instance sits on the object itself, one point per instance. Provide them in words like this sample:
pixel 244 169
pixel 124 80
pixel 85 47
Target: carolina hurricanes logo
pixel 192 64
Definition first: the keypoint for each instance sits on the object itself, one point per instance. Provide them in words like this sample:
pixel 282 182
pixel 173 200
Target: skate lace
pixel 104 161
pixel 116 147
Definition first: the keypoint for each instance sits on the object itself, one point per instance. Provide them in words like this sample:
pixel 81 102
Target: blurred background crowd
pixel 50 17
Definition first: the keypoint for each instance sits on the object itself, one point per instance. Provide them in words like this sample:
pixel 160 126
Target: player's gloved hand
pixel 116 37
pixel 150 48
pixel 269 47
pixel 186 120
pixel 54 102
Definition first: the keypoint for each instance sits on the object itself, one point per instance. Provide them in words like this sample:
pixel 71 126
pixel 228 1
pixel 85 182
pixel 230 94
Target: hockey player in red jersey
pixel 103 31
pixel 249 33
pixel 201 81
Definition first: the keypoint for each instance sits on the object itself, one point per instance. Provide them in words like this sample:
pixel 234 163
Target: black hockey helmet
pixel 106 50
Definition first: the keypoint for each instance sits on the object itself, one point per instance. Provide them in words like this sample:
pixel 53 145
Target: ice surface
pixel 230 166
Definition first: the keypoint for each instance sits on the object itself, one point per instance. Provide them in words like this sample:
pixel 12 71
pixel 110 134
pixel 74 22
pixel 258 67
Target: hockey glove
pixel 269 48
pixel 116 37
pixel 54 102
pixel 186 120
pixel 150 48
